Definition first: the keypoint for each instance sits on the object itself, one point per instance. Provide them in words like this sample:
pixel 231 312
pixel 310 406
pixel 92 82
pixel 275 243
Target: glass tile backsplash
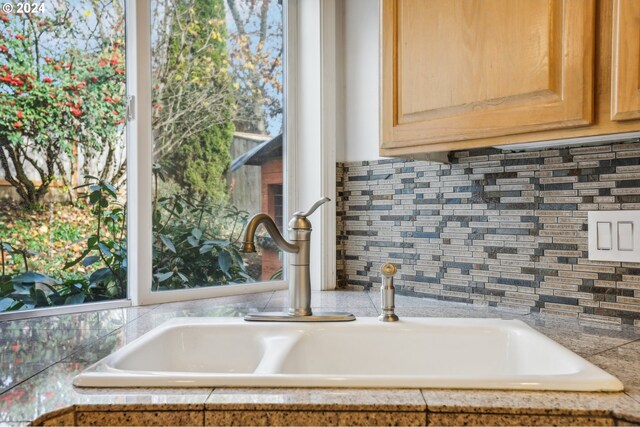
pixel 507 229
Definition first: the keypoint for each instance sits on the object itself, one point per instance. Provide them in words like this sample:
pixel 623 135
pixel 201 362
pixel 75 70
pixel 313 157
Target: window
pixel 217 123
pixel 205 83
pixel 62 154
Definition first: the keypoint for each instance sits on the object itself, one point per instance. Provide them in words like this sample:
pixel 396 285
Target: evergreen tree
pixel 194 148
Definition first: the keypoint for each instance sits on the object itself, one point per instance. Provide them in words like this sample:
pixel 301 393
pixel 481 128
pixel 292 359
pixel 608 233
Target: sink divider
pixel 276 350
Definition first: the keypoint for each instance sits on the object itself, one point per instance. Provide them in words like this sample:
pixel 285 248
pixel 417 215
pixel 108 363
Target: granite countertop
pixel 39 357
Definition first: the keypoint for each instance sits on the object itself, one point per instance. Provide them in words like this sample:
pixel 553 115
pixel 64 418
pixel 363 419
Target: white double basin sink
pixel 410 353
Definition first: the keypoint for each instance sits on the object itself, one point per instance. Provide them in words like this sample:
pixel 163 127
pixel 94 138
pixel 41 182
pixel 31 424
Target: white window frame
pixel 140 158
pixel 319 126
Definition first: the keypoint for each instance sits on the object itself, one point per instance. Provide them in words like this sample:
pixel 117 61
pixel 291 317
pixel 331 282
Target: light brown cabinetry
pixel 625 71
pixel 458 74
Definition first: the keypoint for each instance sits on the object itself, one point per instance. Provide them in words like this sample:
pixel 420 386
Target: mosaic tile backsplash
pixel 493 227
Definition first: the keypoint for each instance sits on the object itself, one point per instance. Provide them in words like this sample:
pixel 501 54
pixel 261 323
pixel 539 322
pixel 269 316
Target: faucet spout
pixel 249 237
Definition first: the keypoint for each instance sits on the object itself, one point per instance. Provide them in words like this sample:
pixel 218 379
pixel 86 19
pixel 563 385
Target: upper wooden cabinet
pixel 458 74
pixel 625 74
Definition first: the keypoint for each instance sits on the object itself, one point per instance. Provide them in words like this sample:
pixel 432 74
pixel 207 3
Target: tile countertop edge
pixel 618 406
pixel 102 407
pixel 43 418
pixel 630 415
pixel 634 396
pixel 317 399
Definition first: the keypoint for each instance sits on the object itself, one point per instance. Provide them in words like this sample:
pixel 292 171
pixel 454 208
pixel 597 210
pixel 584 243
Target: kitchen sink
pixel 410 353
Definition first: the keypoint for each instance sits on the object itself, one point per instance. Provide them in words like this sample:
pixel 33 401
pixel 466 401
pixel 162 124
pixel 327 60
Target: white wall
pixel 361 121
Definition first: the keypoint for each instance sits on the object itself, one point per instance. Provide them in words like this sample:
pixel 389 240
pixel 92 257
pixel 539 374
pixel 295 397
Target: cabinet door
pixel 455 70
pixel 625 57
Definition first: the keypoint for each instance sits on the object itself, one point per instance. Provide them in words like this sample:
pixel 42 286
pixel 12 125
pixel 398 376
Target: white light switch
pixel 614 236
pixel 625 236
pixel 604 236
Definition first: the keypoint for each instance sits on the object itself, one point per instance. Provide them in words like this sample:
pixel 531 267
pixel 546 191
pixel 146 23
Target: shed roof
pixel 259 154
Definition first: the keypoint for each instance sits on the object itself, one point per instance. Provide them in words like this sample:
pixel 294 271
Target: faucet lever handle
pixel 316 205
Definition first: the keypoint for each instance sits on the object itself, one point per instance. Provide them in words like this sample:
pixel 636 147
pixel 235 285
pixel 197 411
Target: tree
pixel 256 48
pixel 62 89
pixel 193 97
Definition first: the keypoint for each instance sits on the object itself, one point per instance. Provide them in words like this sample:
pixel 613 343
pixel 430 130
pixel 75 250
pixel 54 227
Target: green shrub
pixel 194 245
pixel 194 241
pixel 105 248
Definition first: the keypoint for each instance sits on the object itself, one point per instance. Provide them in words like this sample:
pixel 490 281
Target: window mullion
pixel 139 150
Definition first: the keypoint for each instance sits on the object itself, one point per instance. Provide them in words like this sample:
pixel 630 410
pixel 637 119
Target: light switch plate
pixel 614 236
